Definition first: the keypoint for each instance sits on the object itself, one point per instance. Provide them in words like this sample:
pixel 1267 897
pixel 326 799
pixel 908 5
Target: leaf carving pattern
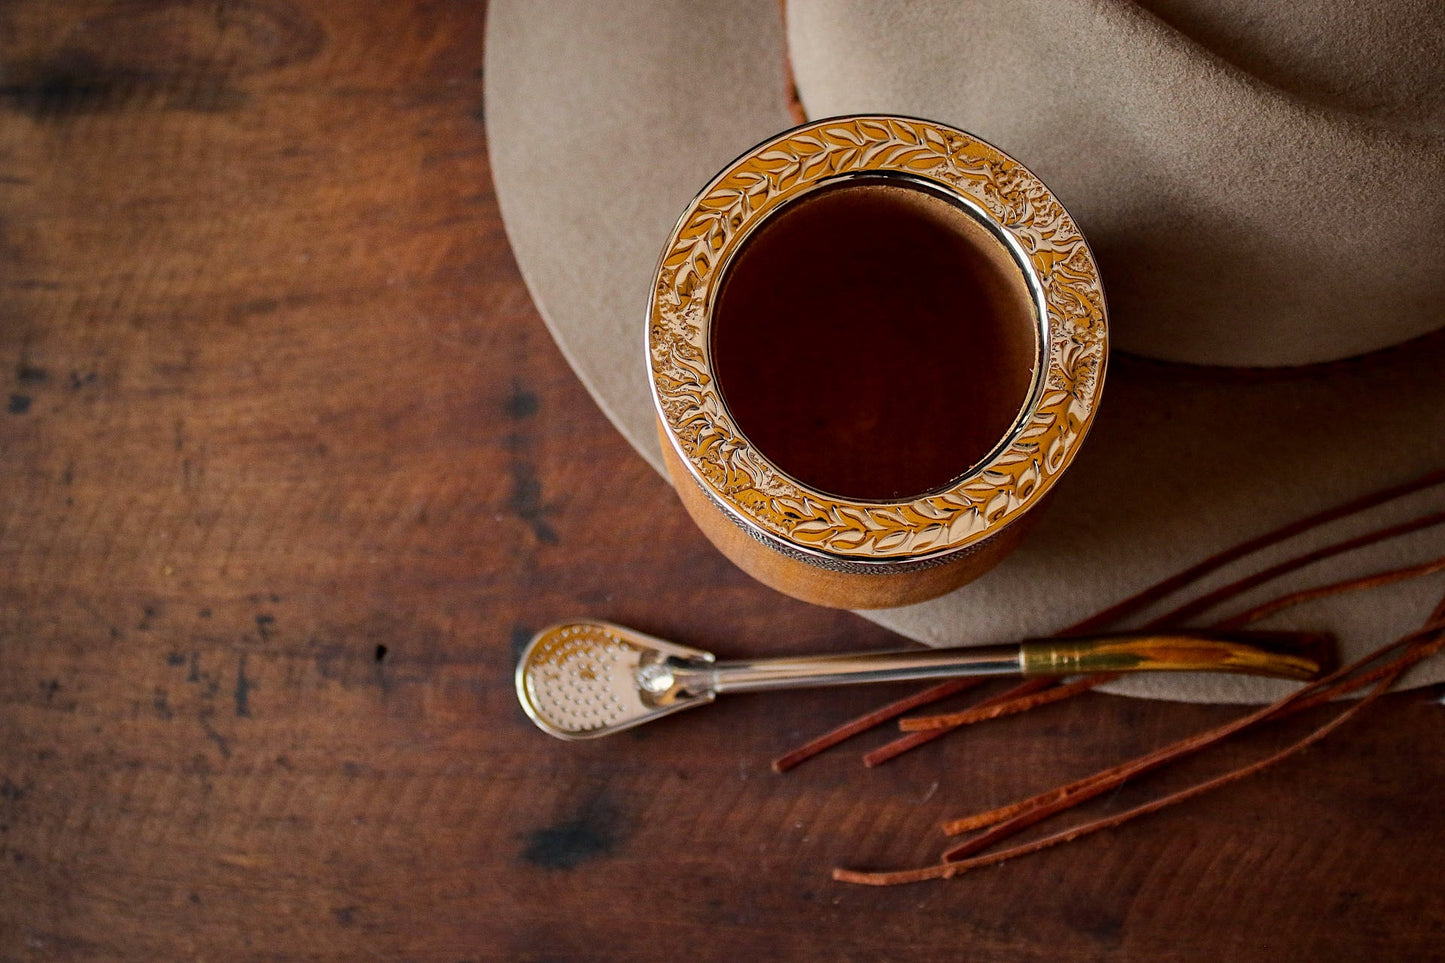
pixel 978 505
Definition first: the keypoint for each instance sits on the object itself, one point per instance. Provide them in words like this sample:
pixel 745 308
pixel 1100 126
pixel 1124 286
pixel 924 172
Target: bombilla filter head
pixel 581 680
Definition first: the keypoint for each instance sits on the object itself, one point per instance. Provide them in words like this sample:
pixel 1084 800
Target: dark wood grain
pixel 289 468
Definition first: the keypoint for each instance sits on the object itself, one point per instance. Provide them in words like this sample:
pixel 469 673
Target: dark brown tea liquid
pixel 874 341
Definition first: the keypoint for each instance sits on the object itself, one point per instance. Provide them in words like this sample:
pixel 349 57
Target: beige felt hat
pixel 1261 187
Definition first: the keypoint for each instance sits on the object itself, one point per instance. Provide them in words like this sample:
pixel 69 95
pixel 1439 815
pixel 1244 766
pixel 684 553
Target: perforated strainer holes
pixel 582 679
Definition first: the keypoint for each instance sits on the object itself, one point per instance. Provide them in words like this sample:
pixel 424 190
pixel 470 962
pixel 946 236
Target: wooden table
pixel 290 469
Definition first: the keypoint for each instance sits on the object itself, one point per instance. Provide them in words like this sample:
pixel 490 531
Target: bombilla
pixel 584 679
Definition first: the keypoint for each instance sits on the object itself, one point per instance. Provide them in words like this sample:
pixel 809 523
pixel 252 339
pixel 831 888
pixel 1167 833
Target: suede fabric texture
pixel 603 122
pixel 1261 183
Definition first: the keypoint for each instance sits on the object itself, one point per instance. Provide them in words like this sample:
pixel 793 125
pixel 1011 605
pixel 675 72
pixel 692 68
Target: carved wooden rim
pixel 1022 212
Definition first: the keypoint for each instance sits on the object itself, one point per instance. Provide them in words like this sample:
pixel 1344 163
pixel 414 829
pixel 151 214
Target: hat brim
pixel 602 123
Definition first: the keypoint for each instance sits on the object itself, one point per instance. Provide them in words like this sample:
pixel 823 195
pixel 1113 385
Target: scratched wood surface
pixel 289 468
